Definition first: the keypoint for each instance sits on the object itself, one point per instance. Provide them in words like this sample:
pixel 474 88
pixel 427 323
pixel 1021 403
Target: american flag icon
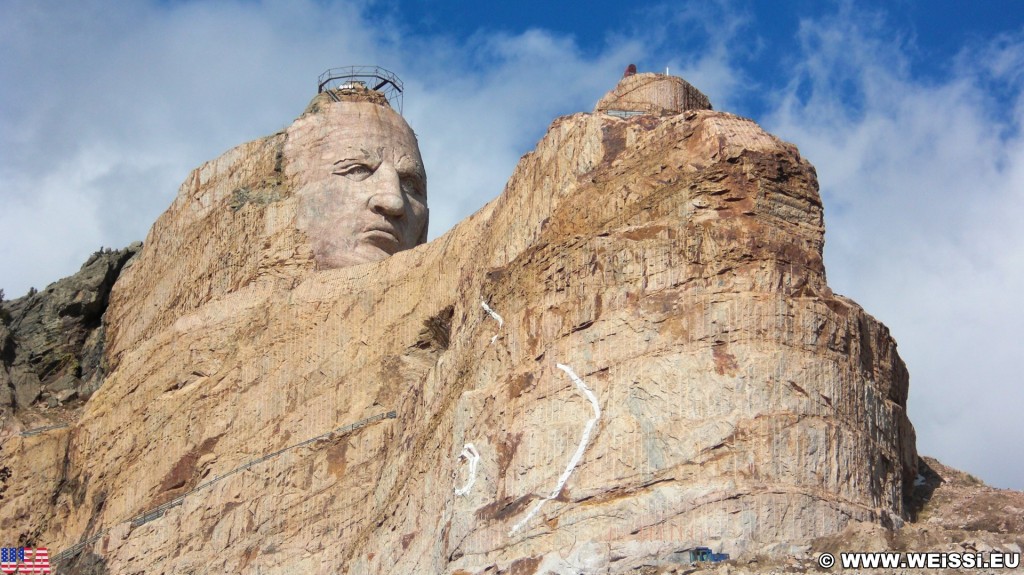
pixel 24 560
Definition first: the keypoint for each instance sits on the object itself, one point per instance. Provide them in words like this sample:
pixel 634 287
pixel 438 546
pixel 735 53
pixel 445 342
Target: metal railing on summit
pixel 371 77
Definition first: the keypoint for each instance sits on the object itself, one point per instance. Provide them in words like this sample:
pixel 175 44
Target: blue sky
pixel 910 111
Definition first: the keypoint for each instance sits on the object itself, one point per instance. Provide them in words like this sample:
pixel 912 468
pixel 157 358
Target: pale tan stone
pixel 673 263
pixel 362 189
pixel 658 94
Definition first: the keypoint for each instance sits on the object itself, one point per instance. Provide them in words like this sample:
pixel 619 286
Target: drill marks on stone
pixel 495 315
pixel 580 449
pixel 161 510
pixel 470 454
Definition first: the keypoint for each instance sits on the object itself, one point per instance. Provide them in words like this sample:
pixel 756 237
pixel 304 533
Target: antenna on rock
pixel 354 79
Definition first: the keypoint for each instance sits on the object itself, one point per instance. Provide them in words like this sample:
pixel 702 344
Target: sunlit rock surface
pixel 673 264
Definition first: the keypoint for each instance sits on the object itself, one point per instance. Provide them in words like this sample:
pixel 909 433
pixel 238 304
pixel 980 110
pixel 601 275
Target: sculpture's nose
pixel 386 195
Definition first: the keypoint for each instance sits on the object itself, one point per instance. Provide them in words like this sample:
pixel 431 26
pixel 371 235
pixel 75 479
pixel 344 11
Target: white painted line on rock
pixel 576 457
pixel 495 315
pixel 470 454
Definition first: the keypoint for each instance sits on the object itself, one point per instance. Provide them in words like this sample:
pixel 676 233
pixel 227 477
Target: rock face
pixel 631 351
pixel 951 512
pixel 51 342
pixel 656 94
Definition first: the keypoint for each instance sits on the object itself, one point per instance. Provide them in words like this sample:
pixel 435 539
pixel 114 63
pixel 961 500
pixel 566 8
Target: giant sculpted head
pixel 360 183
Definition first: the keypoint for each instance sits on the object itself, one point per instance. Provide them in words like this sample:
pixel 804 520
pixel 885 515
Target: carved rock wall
pixel 658 94
pixel 673 264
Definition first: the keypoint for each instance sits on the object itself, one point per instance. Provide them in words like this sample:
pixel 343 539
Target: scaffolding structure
pixel 363 78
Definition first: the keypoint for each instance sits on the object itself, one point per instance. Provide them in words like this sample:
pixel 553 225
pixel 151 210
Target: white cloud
pixel 922 183
pixel 109 106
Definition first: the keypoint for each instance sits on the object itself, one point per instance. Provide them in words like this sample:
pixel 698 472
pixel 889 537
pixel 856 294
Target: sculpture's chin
pixel 360 253
pixel 380 240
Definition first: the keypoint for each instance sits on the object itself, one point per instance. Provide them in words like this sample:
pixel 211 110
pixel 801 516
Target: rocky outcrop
pixel 631 351
pixel 952 499
pixel 951 512
pixel 51 343
pixel 652 94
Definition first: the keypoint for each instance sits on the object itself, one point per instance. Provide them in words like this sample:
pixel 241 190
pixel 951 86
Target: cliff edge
pixel 631 351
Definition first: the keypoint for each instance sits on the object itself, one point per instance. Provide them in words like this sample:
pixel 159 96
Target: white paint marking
pixel 495 315
pixel 470 454
pixel 576 457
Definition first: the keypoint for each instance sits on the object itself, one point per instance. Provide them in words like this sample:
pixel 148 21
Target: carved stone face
pixel 361 186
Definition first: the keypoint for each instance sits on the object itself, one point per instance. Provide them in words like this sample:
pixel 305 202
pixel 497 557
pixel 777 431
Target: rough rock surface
pixel 669 369
pixel 952 512
pixel 657 94
pixel 949 498
pixel 51 346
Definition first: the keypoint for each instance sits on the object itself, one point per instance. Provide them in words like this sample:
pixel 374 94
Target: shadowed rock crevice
pixel 437 330
pixel 922 489
pixel 85 563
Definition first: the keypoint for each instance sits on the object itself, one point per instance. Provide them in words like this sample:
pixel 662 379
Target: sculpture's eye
pixel 357 172
pixel 413 185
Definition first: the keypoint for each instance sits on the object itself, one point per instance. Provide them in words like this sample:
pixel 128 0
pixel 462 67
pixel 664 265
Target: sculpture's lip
pixel 382 233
